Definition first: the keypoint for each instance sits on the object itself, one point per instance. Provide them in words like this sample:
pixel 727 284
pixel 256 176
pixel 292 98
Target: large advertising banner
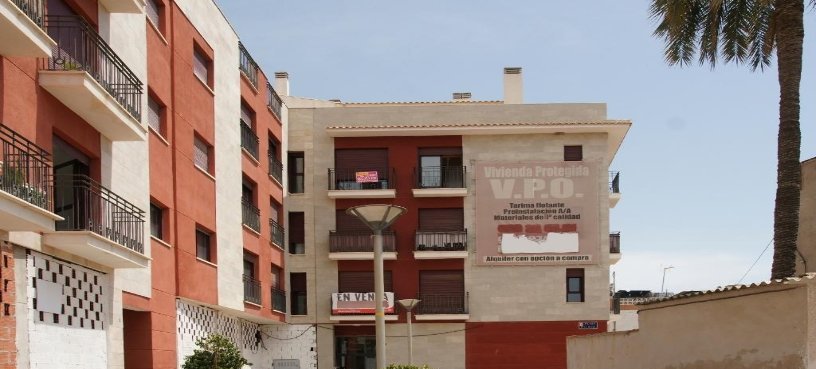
pixel 537 213
pixel 360 303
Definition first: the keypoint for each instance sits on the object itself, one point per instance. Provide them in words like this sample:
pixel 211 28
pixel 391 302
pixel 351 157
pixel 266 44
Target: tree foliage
pixel 215 352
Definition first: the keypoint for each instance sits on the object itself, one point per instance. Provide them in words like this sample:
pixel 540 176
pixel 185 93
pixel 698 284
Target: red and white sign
pixel 367 177
pixel 360 303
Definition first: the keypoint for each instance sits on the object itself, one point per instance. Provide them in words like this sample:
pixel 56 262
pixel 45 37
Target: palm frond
pixel 735 30
pixel 678 25
pixel 710 38
pixel 762 34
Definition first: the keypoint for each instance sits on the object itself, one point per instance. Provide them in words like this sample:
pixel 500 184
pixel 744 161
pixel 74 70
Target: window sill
pixel 250 157
pixel 207 262
pixel 162 242
pixel 249 83
pixel 206 173
pixel 209 89
pixel 158 135
pixel 158 33
pixel 252 304
pixel 275 180
pixel 248 228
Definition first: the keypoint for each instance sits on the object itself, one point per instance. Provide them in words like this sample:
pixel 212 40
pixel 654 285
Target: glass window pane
pixel 574 284
pixel 155 221
pixel 201 154
pixel 154 115
pixel 573 297
pixel 200 66
pixel 152 12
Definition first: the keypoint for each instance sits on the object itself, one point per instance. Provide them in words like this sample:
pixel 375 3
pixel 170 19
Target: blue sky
pixel 698 167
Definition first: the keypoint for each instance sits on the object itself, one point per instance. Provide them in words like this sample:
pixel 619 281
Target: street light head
pixel 409 304
pixel 377 216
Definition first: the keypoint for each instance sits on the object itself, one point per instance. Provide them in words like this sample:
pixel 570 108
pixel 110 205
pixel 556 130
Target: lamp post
pixel 663 284
pixel 410 304
pixel 378 217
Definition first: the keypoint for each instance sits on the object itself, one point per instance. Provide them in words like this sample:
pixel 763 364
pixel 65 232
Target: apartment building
pixel 141 186
pixel 505 241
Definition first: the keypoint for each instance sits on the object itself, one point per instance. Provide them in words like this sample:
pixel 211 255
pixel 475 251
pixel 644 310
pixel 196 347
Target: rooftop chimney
pixel 281 83
pixel 461 96
pixel 513 87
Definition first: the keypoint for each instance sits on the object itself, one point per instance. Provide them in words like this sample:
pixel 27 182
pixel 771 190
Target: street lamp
pixel 378 217
pixel 663 284
pixel 410 304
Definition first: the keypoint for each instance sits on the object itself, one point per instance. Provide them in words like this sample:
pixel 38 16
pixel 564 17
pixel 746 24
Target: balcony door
pixel 440 167
pixel 348 162
pixel 70 201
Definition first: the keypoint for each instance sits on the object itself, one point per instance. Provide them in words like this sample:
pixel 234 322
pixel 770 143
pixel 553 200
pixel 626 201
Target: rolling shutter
pixel 442 282
pixel 353 160
pixel 350 223
pixel 361 282
pixel 431 220
pixel 440 151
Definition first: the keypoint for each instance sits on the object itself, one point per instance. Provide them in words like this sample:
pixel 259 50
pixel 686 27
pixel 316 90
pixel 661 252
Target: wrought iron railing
pixel 441 241
pixel 614 182
pixel 277 233
pixel 33 9
pixel 614 243
pixel 252 290
pixel 25 170
pixel 359 179
pixel 80 48
pixel 340 241
pixel 278 299
pixel 275 168
pixel 439 303
pixel 248 65
pixel 249 140
pixel 87 206
pixel 250 215
pixel 440 177
pixel 273 101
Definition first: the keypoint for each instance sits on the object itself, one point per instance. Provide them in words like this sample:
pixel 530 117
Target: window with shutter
pixel 575 285
pixel 201 66
pixel 362 281
pixel 154 115
pixel 442 292
pixel 297 234
pixel 438 220
pixel 573 153
pixel 153 12
pixel 201 154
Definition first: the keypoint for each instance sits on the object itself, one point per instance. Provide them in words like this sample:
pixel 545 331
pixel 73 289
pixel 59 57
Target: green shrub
pixel 407 366
pixel 215 352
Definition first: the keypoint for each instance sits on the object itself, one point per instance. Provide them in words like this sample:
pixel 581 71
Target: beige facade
pixel 771 325
pixel 806 242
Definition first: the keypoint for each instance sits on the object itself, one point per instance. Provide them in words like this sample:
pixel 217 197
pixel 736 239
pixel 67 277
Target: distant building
pixel 623 309
pixel 806 241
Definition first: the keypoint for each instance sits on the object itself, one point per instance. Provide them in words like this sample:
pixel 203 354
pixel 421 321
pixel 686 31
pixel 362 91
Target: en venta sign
pixel 359 303
pixel 537 213
pixel 367 177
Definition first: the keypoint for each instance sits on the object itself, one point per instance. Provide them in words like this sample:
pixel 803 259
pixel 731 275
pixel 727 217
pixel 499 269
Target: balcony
pixel 275 168
pixel 97 224
pixel 90 79
pixel 437 306
pixel 614 189
pixel 249 68
pixel 363 183
pixel 614 247
pixel 444 181
pixel 250 216
pixel 279 300
pixel 277 233
pixel 440 245
pixel 252 290
pixel 26 185
pixel 123 6
pixel 359 245
pixel 249 140
pixel 273 101
pixel 22 27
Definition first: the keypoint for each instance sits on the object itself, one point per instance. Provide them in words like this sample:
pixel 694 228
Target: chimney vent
pixel 461 96
pixel 335 100
pixel 513 87
pixel 281 85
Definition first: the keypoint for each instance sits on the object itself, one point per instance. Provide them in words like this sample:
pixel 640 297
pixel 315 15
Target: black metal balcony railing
pixel 248 65
pixel 278 299
pixel 441 241
pixel 250 215
pixel 347 179
pixel 252 290
pixel 614 182
pixel 273 101
pixel 440 177
pixel 437 303
pixel 249 140
pixel 277 233
pixel 33 9
pixel 80 48
pixel 87 206
pixel 275 168
pixel 359 241
pixel 25 170
pixel 614 243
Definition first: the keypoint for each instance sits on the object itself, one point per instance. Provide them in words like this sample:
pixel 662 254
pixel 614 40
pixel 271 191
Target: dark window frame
pixel 298 296
pixel 294 174
pixel 573 152
pixel 579 294
pixel 157 213
pixel 204 240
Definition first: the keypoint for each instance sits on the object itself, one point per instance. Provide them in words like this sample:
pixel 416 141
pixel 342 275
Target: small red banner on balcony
pixel 367 177
pixel 360 303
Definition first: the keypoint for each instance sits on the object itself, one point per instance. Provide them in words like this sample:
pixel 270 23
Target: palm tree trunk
pixel 790 37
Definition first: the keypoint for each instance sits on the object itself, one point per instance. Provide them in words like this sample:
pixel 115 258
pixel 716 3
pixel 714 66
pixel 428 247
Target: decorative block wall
pixel 8 347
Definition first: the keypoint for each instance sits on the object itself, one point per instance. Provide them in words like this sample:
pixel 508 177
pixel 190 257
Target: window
pixel 276 281
pixel 297 283
pixel 362 282
pixel 575 285
pixel 153 10
pixel 250 260
pixel 296 172
pixel 297 234
pixel 573 153
pixel 442 292
pixel 203 245
pixel 347 162
pixel 201 66
pixel 441 167
pixel 156 221
pixel 201 154
pixel 155 115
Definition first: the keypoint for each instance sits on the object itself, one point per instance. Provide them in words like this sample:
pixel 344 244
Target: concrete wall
pixel 806 242
pixel 766 327
pixel 439 345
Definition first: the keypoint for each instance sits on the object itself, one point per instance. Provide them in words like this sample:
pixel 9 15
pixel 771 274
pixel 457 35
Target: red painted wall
pixel 520 345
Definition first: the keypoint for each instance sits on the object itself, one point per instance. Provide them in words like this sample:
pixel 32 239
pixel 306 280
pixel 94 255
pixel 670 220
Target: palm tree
pixel 749 32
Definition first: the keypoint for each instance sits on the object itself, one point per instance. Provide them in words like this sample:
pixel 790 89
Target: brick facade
pixel 8 348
